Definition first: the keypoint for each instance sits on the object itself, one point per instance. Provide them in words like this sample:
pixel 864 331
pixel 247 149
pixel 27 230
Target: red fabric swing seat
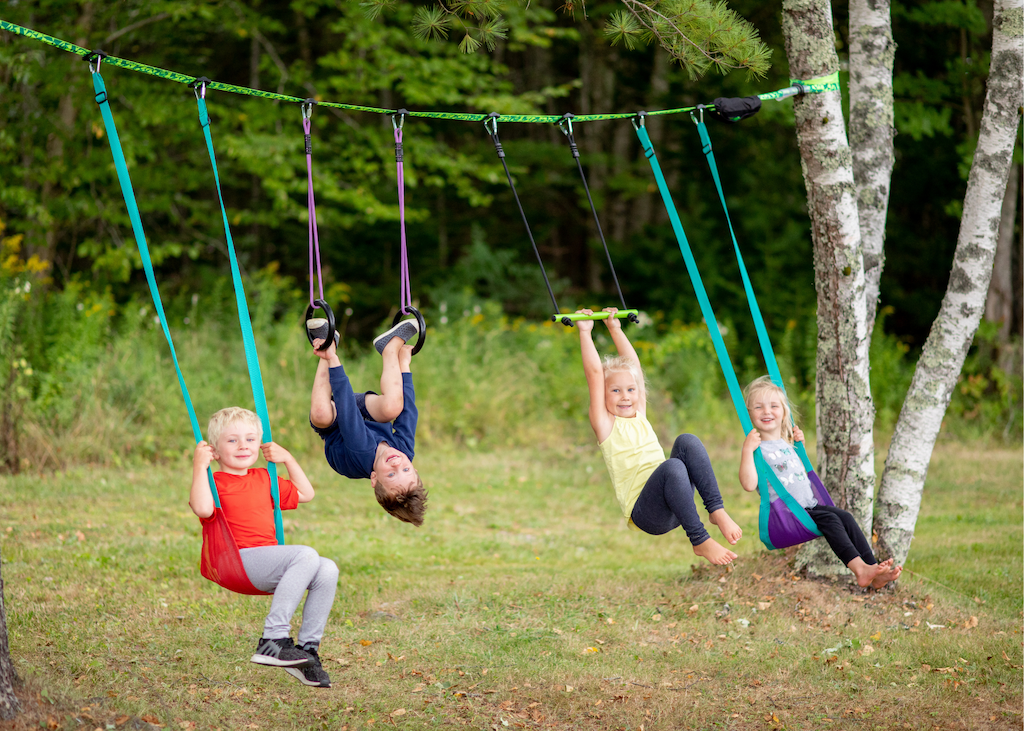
pixel 220 561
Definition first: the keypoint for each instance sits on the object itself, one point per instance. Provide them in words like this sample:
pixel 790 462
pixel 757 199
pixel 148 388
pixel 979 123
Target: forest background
pixel 88 380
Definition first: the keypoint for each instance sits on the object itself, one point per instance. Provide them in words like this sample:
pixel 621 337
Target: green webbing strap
pixel 765 475
pixel 800 87
pixel 147 264
pixel 755 312
pixel 248 339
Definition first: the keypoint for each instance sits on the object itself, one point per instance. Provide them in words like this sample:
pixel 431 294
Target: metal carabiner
pixel 96 56
pixel 638 120
pixel 566 122
pixel 400 113
pixel 199 86
pixel 307 108
pixel 693 117
pixel 492 120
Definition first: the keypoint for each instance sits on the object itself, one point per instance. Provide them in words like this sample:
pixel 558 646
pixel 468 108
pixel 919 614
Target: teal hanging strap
pixel 140 239
pixel 248 339
pixel 765 475
pixel 755 312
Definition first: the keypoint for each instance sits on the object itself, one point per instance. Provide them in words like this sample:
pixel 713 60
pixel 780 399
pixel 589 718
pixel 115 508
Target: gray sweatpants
pixel 288 571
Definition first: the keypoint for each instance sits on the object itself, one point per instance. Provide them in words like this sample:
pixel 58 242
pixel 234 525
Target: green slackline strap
pixel 767 353
pixel 807 87
pixel 248 339
pixel 765 474
pixel 147 264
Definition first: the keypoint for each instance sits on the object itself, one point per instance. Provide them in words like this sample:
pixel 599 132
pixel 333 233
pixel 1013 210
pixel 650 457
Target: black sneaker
pixel 280 653
pixel 405 330
pixel 314 673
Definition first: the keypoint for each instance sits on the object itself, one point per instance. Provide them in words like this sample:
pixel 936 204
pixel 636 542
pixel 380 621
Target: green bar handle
pixel 568 318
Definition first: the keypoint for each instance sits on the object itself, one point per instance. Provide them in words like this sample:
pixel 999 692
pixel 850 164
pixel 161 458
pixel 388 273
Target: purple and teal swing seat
pixel 782 522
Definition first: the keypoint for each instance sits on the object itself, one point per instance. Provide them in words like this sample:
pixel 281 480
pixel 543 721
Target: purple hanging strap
pixel 406 293
pixel 314 237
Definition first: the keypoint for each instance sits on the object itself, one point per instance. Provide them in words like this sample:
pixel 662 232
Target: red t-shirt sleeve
pixel 288 493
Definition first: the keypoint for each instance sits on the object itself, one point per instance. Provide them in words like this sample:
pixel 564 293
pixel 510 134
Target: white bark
pixel 999 302
pixel 960 313
pixel 872 53
pixel 845 413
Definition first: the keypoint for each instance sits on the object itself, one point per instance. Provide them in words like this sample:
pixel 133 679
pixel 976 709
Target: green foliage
pixel 700 35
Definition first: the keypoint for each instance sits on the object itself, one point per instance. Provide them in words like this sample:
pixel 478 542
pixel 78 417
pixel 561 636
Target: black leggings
pixel 666 502
pixel 843 534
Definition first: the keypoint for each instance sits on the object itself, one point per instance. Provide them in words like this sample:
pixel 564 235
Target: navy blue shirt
pixel 350 444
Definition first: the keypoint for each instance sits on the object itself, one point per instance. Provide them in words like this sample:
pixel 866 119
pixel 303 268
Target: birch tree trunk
pixel 960 313
pixel 845 413
pixel 9 705
pixel 999 301
pixel 872 53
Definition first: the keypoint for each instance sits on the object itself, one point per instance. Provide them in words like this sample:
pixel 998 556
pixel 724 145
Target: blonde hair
pixel 225 417
pixel 764 385
pixel 620 364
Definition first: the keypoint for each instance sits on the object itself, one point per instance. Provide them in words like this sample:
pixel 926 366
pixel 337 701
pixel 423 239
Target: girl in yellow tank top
pixel 656 495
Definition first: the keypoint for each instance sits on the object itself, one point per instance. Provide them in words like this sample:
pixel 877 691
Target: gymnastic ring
pixel 329 313
pixel 410 310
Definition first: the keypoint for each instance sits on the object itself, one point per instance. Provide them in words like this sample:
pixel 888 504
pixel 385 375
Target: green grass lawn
pixel 523 602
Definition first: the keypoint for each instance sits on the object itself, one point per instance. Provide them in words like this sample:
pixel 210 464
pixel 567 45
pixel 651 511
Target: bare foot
pixel 891 573
pixel 867 573
pixel 714 552
pixel 730 531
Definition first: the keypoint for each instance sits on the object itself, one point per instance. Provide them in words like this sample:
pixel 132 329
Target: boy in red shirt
pixel 287 571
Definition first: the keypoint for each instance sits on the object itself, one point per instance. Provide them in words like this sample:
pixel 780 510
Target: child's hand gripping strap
pixel 248 339
pixel 140 239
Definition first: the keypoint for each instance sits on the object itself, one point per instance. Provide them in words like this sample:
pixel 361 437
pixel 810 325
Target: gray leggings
pixel 288 571
pixel 666 502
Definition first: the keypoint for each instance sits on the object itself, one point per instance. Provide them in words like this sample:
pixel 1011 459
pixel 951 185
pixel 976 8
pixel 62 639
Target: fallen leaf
pixel 79 535
pixel 971 623
pixel 591 649
pixel 153 720
pixel 866 650
pixel 656 617
pixel 757 577
pixel 121 720
pixel 419 688
pixel 569 689
pixel 398 712
pixel 694 609
pixel 762 606
pixel 365 643
pixel 876 636
pixel 609 620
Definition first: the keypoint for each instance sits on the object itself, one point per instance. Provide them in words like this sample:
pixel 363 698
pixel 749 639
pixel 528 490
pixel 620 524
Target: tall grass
pixel 95 383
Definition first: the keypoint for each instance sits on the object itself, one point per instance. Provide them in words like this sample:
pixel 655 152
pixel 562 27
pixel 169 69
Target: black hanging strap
pixel 565 124
pixel 491 125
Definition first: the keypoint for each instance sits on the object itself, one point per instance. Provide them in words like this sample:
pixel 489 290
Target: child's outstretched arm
pixel 600 420
pixel 200 499
pixel 625 349
pixel 274 452
pixel 748 470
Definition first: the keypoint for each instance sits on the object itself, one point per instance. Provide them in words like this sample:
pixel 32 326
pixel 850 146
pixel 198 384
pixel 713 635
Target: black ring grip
pixel 328 313
pixel 410 310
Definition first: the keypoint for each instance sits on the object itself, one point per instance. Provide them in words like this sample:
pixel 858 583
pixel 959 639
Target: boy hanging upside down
pixel 360 440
